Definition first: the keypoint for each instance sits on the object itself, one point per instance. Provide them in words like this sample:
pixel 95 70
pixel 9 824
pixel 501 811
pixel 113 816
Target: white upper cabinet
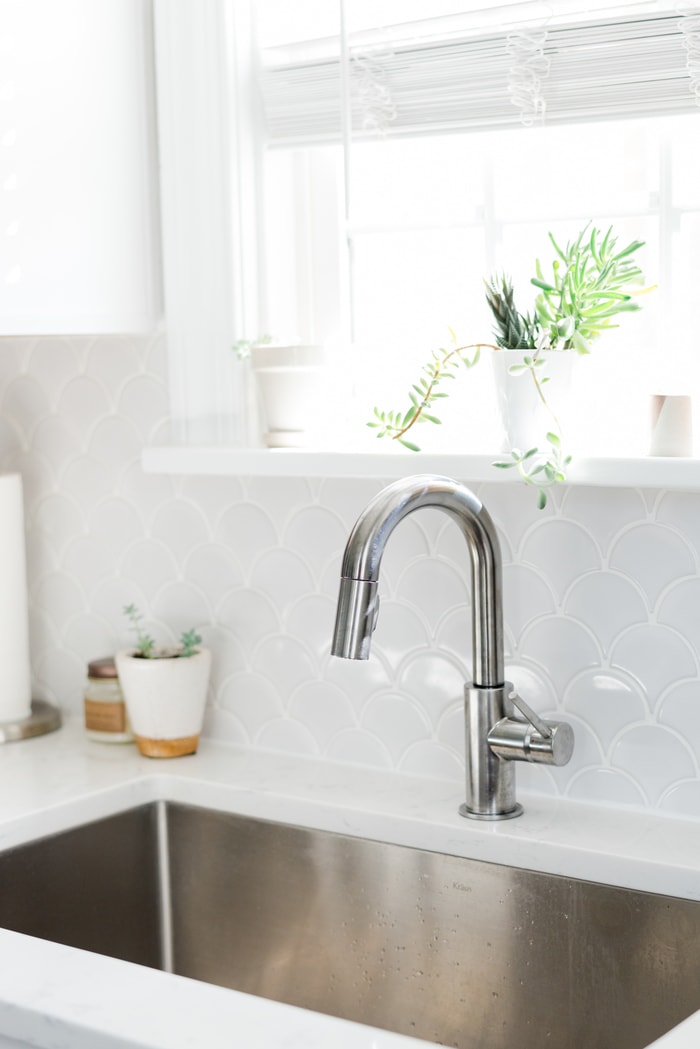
pixel 79 232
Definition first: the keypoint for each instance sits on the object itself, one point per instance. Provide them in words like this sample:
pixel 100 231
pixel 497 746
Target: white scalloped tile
pixel 606 603
pixel 656 656
pixel 246 530
pixel 279 500
pixel 654 556
pixel 250 616
pixel 181 527
pixel 359 679
pixel 604 512
pixel 114 443
pixel 214 570
pixel 679 710
pixel 400 629
pixel 84 401
pixel 316 534
pixel 60 592
pixel 637 753
pixel 283 576
pixel 84 474
pixel 453 634
pixel 287 736
pixel 526 596
pixel 57 440
pixel 682 799
pixel 433 587
pixel 87 559
pixel 25 402
pixel 607 702
pixel 116 522
pixel 681 510
pixel 13 352
pixel 561 647
pixel 144 401
pixel 515 513
pixel 534 685
pixel 253 699
pixel 147 491
pixel 56 360
pixel 58 519
pixel 561 551
pixel 324 709
pixel 113 360
pixel 354 746
pixel 311 619
pixel 607 787
pixel 212 496
pixel 230 654
pixel 433 760
pixel 108 601
pixel 285 661
pixel 433 680
pixel 149 562
pixel 180 606
pixel 85 636
pixel 346 497
pixel 679 610
pixel 398 720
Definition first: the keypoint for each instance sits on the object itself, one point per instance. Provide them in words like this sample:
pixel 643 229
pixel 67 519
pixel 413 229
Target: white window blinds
pixel 453 74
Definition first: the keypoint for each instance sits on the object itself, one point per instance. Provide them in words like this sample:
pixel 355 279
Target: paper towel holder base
pixel 43 718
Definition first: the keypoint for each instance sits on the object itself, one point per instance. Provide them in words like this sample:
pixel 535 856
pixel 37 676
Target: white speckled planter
pixel 525 419
pixel 290 381
pixel 165 699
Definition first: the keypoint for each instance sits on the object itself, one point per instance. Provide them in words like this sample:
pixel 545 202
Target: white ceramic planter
pixel 525 419
pixel 290 382
pixel 165 700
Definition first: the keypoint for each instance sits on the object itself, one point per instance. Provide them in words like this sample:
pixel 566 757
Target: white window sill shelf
pixel 262 462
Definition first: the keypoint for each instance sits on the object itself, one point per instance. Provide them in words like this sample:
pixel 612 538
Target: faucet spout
pixel 358 603
pixel 495 736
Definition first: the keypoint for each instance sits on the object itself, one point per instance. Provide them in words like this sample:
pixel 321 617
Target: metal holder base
pixel 517 811
pixel 43 718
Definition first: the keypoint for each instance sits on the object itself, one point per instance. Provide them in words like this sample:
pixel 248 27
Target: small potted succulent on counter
pixel 165 690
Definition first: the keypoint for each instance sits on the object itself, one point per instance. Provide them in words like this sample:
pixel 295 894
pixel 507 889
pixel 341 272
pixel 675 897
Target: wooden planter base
pixel 167 748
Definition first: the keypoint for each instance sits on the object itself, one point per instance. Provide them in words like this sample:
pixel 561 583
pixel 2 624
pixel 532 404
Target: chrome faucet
pixel 495 736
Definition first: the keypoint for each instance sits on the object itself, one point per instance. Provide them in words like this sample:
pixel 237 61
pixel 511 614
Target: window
pixel 404 150
pixel 470 135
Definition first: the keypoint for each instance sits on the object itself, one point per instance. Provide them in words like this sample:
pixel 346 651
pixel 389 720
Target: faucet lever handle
pixel 529 714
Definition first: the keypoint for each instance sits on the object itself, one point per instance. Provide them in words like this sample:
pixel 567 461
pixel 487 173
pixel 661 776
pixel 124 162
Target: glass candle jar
pixel 106 718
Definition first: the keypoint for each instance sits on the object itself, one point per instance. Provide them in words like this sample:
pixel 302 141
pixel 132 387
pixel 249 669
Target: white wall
pixel 602 591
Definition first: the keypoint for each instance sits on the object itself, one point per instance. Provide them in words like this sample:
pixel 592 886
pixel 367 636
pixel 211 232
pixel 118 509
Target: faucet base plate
pixel 464 811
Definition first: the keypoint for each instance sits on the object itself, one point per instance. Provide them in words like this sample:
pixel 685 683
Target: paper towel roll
pixel 15 677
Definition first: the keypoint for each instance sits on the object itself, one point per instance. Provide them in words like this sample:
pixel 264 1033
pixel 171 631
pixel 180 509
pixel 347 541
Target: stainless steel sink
pixel 455 951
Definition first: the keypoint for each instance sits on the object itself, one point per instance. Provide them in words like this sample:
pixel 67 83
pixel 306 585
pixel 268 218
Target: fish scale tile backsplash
pixel 602 591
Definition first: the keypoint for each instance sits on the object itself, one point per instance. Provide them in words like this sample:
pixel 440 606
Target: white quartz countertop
pixel 54 997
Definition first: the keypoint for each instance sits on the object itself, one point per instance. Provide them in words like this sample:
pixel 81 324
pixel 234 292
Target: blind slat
pixel 619 68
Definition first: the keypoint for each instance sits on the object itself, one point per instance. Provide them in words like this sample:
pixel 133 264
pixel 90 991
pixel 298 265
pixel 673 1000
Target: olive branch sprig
pixel 444 364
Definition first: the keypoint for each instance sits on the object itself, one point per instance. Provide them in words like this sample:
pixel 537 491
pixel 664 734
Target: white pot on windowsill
pixel 291 383
pixel 525 419
pixel 165 698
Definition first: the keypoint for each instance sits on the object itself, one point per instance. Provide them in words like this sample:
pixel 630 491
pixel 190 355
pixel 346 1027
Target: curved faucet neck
pixel 357 607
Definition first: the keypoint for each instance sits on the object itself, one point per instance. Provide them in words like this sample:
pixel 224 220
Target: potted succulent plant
pixel 589 287
pixel 165 690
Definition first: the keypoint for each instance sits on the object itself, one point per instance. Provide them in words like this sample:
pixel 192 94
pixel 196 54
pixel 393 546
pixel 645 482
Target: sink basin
pixel 460 952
